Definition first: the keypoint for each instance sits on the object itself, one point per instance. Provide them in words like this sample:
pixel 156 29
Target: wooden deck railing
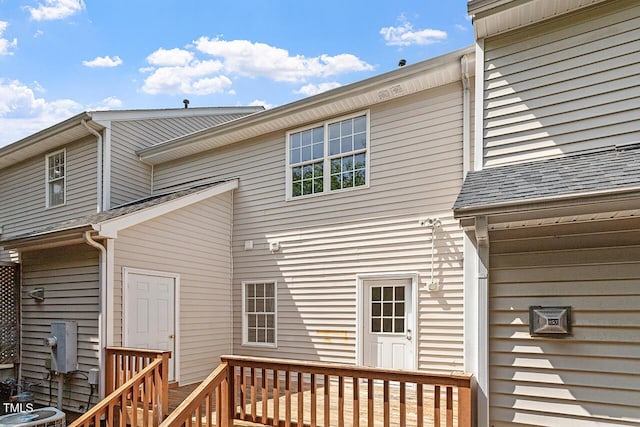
pixel 137 402
pixel 122 364
pixel 136 385
pixel 208 404
pixel 295 394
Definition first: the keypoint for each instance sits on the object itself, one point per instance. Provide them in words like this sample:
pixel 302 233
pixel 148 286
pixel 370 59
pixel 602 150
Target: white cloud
pixel 6 44
pixel 461 27
pixel 103 62
pixel 251 59
pixel 170 57
pixel 38 33
pixel 55 9
pixel 197 77
pixel 261 103
pixel 405 35
pixel 312 89
pixel 109 103
pixel 184 71
pixel 23 113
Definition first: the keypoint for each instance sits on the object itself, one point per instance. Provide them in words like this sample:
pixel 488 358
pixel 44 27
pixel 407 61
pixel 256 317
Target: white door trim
pixel 126 271
pixel 360 321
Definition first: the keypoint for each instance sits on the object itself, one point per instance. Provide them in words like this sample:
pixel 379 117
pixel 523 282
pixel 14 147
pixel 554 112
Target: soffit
pixel 495 224
pixel 46 140
pixel 361 95
pixel 71 130
pixel 492 17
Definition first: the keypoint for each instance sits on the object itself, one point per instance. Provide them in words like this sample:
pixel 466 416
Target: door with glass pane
pixel 387 322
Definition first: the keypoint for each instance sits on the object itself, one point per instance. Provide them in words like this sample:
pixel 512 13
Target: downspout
pixel 102 274
pixel 466 116
pixel 478 161
pixel 99 164
pixel 231 306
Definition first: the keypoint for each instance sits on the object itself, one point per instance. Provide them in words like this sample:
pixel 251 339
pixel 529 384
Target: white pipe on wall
pixel 102 325
pixel 99 164
pixel 466 116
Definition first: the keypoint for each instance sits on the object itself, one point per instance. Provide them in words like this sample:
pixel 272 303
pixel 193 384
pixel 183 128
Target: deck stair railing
pixel 288 393
pixel 136 385
pixel 208 405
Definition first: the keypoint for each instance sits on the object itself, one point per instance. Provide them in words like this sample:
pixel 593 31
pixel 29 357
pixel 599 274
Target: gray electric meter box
pixel 64 346
pixel 549 321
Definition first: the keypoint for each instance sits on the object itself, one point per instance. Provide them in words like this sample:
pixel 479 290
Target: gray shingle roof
pixel 614 169
pixel 116 212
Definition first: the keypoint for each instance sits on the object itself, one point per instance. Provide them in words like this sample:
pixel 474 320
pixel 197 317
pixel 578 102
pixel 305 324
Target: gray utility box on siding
pixel 65 352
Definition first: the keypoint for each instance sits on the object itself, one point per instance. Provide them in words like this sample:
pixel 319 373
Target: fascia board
pixel 46 140
pixel 525 207
pixel 269 120
pixel 116 115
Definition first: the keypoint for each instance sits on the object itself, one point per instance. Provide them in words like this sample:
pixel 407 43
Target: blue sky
pixel 62 57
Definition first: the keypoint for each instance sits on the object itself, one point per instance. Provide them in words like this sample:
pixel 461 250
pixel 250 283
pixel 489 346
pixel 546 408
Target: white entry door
pixel 149 319
pixel 387 324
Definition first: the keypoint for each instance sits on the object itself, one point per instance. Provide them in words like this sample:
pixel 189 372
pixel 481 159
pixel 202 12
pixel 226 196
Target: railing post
pixel 109 372
pixel 230 396
pixel 464 405
pixel 231 402
pixel 165 382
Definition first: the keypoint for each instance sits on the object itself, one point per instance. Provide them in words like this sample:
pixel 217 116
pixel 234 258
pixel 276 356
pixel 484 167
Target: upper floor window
pixel 56 178
pixel 328 157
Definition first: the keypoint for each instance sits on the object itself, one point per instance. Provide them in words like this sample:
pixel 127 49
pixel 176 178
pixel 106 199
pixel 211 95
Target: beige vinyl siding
pixel 566 86
pixel 131 178
pixel 22 191
pixel 69 277
pixel 326 240
pixel 592 377
pixel 9 256
pixel 193 242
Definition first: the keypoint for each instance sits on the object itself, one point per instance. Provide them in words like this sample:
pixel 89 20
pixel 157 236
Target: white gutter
pixel 466 116
pixel 103 304
pixel 99 164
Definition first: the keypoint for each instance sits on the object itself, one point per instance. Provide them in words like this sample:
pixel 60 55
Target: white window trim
pixel 46 179
pixel 327 158
pixel 245 340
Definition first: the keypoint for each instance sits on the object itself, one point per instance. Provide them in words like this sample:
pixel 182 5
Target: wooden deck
pixel 430 416
pixel 251 391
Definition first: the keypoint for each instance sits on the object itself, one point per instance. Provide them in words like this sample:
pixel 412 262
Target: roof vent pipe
pixel 186 103
pixel 402 63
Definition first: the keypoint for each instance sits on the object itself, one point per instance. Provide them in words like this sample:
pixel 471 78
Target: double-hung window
pixel 55 165
pixel 328 157
pixel 259 313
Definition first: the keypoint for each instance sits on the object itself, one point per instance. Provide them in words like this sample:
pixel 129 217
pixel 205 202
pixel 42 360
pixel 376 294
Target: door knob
pixel 171 336
pixel 409 334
